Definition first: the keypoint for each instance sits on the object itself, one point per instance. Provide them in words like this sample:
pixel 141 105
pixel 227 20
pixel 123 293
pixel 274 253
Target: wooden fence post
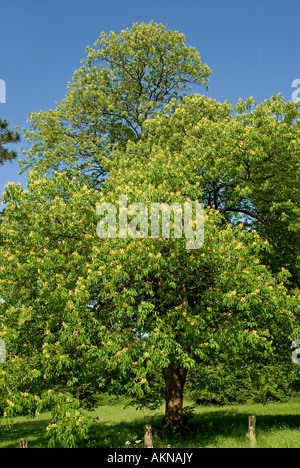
pixel 23 443
pixel 251 432
pixel 148 436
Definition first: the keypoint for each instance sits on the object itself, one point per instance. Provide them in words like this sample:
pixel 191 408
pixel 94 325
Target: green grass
pixel 278 426
pixel 33 429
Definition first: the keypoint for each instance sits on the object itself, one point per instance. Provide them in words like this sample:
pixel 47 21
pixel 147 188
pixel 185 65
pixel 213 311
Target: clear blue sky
pixel 252 47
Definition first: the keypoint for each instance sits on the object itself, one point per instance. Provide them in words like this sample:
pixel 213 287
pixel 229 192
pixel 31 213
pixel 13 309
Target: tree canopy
pixel 124 81
pixel 248 164
pixel 80 312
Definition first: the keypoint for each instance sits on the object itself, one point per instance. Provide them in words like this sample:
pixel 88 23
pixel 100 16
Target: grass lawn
pixel 278 426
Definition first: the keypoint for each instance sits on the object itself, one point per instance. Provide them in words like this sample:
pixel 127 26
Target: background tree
pixel 7 136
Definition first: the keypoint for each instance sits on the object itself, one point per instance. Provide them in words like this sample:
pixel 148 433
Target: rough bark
pixel 174 379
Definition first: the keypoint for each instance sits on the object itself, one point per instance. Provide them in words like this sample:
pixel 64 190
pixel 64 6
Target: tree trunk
pixel 175 379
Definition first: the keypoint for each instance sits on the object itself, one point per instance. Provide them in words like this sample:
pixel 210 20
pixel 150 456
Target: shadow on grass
pixel 225 428
pixel 229 428
pixel 216 428
pixel 120 434
pixel 32 429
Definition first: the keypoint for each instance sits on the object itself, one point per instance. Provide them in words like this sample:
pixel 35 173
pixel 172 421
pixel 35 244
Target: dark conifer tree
pixel 7 136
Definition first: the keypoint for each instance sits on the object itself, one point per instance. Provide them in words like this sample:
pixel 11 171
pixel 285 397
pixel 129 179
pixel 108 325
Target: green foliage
pixel 124 81
pixel 220 384
pixel 81 314
pixel 245 158
pixel 68 425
